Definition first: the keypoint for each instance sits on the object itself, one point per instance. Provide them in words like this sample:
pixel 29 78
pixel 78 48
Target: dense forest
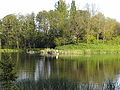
pixel 62 26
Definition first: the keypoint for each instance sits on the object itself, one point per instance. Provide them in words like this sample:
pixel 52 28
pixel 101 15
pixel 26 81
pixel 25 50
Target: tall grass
pixel 62 84
pixel 49 84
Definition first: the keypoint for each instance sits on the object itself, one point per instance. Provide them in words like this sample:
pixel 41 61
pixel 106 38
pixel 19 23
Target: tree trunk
pixel 17 45
pixel 103 39
pixel 29 45
pixel 97 38
pixel 0 44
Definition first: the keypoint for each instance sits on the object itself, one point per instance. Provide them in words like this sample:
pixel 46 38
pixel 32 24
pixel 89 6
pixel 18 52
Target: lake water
pixel 83 68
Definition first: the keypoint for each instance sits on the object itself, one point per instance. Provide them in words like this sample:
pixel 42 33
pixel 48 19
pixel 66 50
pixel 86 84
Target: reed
pixel 63 84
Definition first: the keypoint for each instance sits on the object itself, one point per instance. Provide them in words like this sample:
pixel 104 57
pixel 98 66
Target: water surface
pixel 85 68
pixel 80 68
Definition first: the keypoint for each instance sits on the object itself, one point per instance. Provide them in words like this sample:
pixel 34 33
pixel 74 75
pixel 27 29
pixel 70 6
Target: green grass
pixel 10 50
pixel 83 48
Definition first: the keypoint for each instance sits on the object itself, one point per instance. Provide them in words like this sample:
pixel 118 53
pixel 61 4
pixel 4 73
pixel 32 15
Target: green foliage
pixel 8 75
pixel 90 46
pixel 83 48
pixel 10 30
pixel 116 39
pixel 43 19
pixel 93 39
pixel 57 27
pixel 62 7
pixel 73 40
pixel 60 41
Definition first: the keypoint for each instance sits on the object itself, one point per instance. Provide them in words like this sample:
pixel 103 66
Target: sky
pixel 110 8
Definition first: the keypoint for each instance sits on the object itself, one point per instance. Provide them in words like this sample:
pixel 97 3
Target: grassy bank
pixel 83 48
pixel 72 49
pixel 10 50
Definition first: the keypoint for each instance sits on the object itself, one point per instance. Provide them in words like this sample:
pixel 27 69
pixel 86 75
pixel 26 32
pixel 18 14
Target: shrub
pixel 60 41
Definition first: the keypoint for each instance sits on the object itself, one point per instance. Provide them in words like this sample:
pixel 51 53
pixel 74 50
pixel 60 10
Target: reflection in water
pixel 24 75
pixel 41 70
pixel 95 68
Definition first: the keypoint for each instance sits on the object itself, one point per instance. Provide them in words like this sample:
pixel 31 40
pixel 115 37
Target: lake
pixel 82 69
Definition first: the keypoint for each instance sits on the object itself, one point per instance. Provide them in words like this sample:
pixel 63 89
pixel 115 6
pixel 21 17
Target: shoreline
pixel 78 52
pixel 10 50
pixel 72 49
pixel 61 52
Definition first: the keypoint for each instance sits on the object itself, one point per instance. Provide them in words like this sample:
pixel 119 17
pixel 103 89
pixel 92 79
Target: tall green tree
pixel 73 22
pixel 61 6
pixel 1 36
pixel 43 19
pixel 85 31
pixel 11 31
pixel 109 29
pixel 61 11
pixel 30 30
pixel 27 28
pixel 98 25
pixel 43 25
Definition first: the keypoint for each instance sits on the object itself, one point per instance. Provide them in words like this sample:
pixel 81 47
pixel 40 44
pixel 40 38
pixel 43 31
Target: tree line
pixel 61 26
